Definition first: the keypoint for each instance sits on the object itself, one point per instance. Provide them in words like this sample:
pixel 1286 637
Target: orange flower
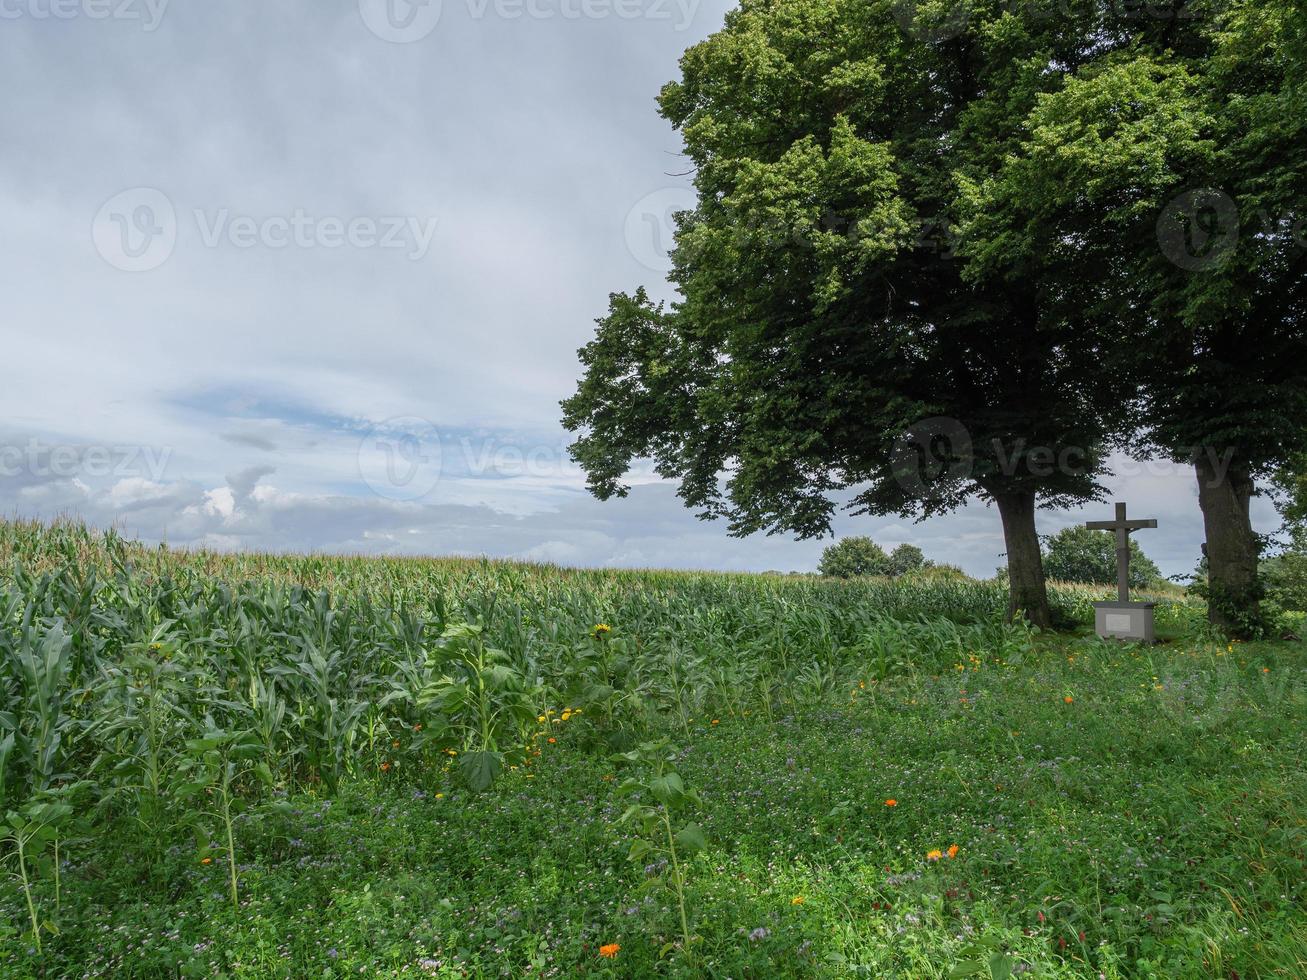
pixel 552 741
pixel 1068 699
pixel 609 951
pixel 934 855
pixel 953 851
pixel 206 860
pixel 891 802
pixel 385 767
pixel 715 721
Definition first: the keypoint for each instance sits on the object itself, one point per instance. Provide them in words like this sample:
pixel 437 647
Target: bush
pixel 1286 580
pixel 1077 554
pixel 906 558
pixel 852 557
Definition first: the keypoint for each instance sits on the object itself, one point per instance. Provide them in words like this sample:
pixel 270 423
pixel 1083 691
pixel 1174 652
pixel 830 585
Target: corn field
pixel 180 690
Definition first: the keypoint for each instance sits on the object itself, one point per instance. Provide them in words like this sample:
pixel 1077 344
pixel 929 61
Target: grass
pixel 1116 811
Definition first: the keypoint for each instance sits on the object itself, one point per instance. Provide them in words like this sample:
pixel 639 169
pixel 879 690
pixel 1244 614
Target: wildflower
pixel 206 860
pixel 797 900
pixel 385 767
pixel 952 851
pixel 1068 699
pixel 602 629
pixel 540 718
pixel 567 715
pixel 715 721
pixel 1266 670
pixel 552 740
pixel 759 934
pixel 891 802
pixel 609 950
pixel 934 855
pixel 440 796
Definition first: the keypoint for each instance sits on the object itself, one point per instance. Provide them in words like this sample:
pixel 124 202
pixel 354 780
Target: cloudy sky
pixel 312 275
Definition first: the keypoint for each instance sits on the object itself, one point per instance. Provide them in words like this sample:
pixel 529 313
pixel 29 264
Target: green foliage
pixel 906 559
pixel 858 556
pixel 852 557
pixel 661 798
pixel 261 770
pixel 1077 554
pixel 1286 579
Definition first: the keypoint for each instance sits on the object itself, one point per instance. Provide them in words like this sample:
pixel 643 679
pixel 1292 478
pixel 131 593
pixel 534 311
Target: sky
pixel 311 276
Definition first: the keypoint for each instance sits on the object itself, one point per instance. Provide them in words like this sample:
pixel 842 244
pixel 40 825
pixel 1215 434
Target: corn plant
pixel 481 701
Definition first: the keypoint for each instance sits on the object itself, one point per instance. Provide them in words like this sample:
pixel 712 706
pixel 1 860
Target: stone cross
pixel 1122 527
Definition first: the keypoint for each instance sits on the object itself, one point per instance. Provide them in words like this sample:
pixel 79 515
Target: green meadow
pixel 274 766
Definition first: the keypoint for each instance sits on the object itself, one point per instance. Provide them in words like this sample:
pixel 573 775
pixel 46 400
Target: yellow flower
pixel 206 860
pixel 797 900
pixel 540 718
pixel 934 855
pixel 440 796
pixel 716 721
pixel 602 629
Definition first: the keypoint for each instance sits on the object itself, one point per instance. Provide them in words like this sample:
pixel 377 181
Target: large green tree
pixel 828 341
pixel 1164 182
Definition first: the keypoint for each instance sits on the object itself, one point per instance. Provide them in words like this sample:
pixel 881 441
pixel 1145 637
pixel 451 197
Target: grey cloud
pixel 249 439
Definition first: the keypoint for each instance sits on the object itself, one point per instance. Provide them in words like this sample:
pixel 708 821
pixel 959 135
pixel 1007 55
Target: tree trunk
pixel 1025 565
pixel 1232 549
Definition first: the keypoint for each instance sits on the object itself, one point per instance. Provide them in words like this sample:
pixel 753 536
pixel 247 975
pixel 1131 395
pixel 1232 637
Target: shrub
pixel 1077 554
pixel 853 557
pixel 906 558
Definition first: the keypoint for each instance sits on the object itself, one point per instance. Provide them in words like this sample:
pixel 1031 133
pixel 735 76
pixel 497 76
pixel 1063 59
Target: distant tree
pixel 906 558
pixel 852 557
pixel 1077 554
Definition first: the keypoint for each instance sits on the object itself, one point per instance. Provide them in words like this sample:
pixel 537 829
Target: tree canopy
pixel 901 284
pixel 1077 554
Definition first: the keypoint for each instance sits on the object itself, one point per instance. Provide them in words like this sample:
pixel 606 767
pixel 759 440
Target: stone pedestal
pixel 1125 621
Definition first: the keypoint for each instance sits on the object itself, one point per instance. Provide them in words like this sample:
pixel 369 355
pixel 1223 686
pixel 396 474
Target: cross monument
pixel 1123 619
